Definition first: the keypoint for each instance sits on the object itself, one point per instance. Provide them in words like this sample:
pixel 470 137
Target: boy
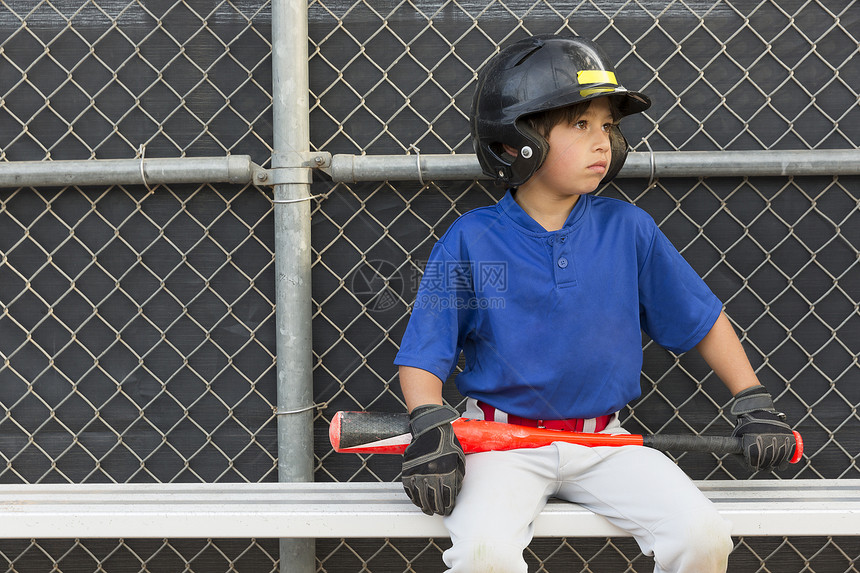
pixel 552 336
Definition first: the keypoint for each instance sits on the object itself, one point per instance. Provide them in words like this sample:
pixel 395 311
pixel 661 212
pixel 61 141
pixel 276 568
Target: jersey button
pixel 562 262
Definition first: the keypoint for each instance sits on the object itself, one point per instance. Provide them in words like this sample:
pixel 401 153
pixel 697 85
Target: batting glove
pixel 768 441
pixel 434 463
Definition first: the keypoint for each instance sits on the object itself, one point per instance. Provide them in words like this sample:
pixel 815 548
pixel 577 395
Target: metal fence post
pixel 292 259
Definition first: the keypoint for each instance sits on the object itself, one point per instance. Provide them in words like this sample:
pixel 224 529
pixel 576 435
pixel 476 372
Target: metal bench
pixel 335 510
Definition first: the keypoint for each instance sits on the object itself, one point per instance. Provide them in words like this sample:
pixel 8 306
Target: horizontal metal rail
pixel 353 168
pixel 456 167
pixel 157 171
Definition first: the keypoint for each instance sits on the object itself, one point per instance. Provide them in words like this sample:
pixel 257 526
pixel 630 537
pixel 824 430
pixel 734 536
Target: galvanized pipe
pixel 291 141
pixel 828 162
pixel 157 171
pixel 460 167
pixel 354 168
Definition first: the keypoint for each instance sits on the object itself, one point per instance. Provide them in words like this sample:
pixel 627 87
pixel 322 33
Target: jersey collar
pixel 523 220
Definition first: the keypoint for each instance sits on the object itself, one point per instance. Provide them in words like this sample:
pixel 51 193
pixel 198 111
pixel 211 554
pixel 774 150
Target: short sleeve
pixel 677 309
pixel 440 315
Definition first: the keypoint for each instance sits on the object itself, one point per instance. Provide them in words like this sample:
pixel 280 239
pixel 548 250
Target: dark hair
pixel 543 122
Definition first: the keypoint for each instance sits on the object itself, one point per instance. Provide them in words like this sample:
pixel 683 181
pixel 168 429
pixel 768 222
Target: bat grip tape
pixel 681 443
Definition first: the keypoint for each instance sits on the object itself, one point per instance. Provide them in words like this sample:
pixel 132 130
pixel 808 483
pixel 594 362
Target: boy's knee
pixel 484 556
pixel 697 541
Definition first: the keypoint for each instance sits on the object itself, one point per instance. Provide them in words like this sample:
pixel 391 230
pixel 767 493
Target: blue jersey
pixel 551 323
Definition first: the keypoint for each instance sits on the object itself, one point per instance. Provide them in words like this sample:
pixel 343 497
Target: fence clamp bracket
pixel 293 167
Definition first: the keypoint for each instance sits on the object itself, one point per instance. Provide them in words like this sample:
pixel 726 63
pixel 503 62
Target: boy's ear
pixel 510 150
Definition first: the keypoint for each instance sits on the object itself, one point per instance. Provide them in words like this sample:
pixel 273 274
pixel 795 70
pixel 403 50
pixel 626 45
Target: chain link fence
pixel 107 79
pixel 137 324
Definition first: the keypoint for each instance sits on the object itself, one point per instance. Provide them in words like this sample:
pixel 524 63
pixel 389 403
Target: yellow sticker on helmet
pixel 596 77
pixel 586 93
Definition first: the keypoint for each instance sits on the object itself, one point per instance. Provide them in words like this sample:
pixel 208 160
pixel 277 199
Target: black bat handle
pixel 366 427
pixel 713 444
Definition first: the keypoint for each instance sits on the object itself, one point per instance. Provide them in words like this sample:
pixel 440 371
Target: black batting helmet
pixel 539 74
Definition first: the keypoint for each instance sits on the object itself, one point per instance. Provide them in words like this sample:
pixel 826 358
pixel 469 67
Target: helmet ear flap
pixel 531 153
pixel 619 146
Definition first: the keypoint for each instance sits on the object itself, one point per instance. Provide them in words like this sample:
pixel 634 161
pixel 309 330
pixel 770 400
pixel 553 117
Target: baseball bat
pixel 388 433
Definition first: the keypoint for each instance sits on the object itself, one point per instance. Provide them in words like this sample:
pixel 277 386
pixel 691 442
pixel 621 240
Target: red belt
pixel 571 424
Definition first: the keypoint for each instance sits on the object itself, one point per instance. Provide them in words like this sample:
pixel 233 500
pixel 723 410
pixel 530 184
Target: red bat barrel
pixel 385 433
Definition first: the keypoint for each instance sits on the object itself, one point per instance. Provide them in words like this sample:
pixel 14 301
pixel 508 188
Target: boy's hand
pixel 434 463
pixel 768 441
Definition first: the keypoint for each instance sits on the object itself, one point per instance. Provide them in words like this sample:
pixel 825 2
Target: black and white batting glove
pixel 434 463
pixel 767 440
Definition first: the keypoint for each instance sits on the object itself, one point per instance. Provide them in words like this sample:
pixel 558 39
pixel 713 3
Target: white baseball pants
pixel 634 487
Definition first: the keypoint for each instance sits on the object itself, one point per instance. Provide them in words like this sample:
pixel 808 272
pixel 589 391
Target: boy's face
pixel 579 153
